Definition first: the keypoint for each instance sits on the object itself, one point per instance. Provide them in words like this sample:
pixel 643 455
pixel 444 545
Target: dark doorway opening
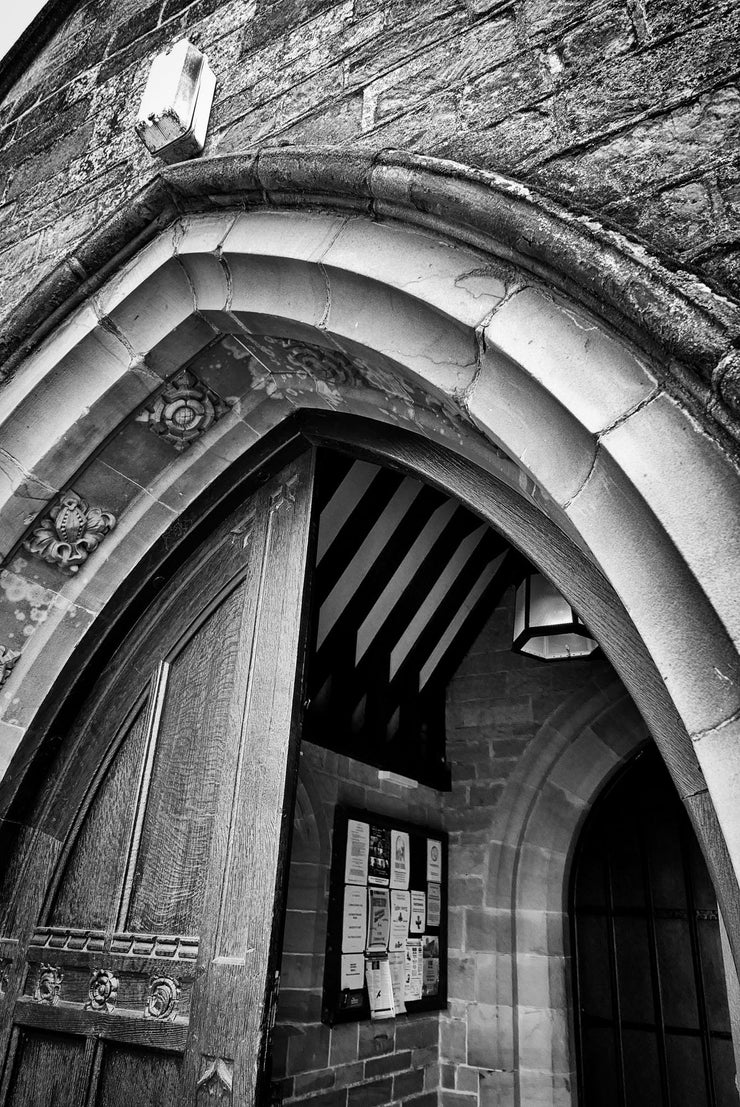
pixel 652 1019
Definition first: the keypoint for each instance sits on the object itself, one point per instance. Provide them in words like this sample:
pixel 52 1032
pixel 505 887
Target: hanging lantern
pixel 545 625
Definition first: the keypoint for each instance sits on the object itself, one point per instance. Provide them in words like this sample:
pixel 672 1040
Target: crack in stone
pixel 107 324
pixel 17 467
pixel 621 419
pixel 327 307
pixel 734 718
pixel 568 503
pixel 188 278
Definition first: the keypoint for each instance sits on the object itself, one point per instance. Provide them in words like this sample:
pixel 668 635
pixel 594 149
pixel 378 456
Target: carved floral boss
pixel 70 533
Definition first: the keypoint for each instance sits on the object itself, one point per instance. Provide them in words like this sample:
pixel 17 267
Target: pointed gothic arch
pixel 574 393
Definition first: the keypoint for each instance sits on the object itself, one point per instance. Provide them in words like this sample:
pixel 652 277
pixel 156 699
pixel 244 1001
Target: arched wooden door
pixel 138 907
pixel 651 1000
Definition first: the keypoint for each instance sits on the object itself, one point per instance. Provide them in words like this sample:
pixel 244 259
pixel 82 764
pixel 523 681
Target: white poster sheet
pixel 434 861
pixel 379 988
pixel 400 859
pixel 400 912
pixel 397 962
pixel 354 919
pixel 352 976
pixel 358 845
pixel 417 920
pixel 434 904
pixel 378 920
pixel 414 971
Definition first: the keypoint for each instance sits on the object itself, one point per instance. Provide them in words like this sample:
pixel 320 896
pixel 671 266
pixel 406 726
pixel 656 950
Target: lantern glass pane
pixel 554 647
pixel 521 597
pixel 547 608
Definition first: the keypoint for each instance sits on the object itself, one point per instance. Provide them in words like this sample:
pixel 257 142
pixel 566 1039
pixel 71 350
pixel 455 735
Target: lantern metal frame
pixel 575 640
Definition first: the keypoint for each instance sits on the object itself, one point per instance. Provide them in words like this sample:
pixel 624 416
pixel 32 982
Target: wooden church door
pixel 652 1014
pixel 138 923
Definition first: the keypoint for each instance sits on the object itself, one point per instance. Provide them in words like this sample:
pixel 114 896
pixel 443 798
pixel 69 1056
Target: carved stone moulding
pixel 163 998
pixel 49 984
pixel 8 661
pixel 70 533
pixel 184 410
pixel 103 991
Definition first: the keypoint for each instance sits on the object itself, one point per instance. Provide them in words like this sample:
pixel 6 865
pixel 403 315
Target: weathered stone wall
pixel 627 109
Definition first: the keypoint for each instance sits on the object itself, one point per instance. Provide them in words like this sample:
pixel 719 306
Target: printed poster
pixel 400 912
pixel 430 957
pixel 379 920
pixel 417 919
pixel 352 976
pixel 354 919
pixel 397 962
pixel 379 861
pixel 413 981
pixel 434 861
pixel 434 904
pixel 400 858
pixel 358 844
pixel 379 988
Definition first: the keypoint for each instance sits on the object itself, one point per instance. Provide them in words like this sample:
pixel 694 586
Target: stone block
pixel 308 1049
pixel 375 1039
pixel 371 1094
pixel 344 1046
pixel 388 1063
pixel 490 1037
pixel 452 1039
pixel 407 1084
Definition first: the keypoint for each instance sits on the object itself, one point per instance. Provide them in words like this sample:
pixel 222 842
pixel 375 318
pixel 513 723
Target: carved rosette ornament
pixel 163 998
pixel 70 533
pixel 184 411
pixel 49 985
pixel 103 991
pixel 8 659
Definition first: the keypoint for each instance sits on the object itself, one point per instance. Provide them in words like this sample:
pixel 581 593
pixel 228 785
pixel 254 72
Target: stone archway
pixel 552 357
pixel 590 736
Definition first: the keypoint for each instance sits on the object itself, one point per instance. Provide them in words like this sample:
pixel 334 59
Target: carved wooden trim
pixel 49 984
pixel 163 999
pixel 103 991
pixel 216 1081
pixel 126 944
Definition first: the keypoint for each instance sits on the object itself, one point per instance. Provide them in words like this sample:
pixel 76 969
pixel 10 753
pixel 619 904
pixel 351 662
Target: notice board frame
pixel 334 1010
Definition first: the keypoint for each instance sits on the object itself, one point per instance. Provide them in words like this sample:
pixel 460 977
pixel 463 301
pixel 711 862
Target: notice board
pixel 386 945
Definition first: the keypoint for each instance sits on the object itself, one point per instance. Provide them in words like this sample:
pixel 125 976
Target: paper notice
pixel 352 975
pixel 379 988
pixel 434 861
pixel 417 919
pixel 354 919
pixel 400 911
pixel 358 843
pixel 434 904
pixel 430 977
pixel 397 962
pixel 379 861
pixel 414 971
pixel 430 983
pixel 399 859
pixel 379 920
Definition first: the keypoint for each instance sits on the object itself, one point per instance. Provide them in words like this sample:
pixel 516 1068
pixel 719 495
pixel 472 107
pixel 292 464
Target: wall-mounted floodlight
pixel 176 105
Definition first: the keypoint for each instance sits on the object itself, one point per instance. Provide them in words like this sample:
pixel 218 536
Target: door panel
pixel 92 876
pixel 144 978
